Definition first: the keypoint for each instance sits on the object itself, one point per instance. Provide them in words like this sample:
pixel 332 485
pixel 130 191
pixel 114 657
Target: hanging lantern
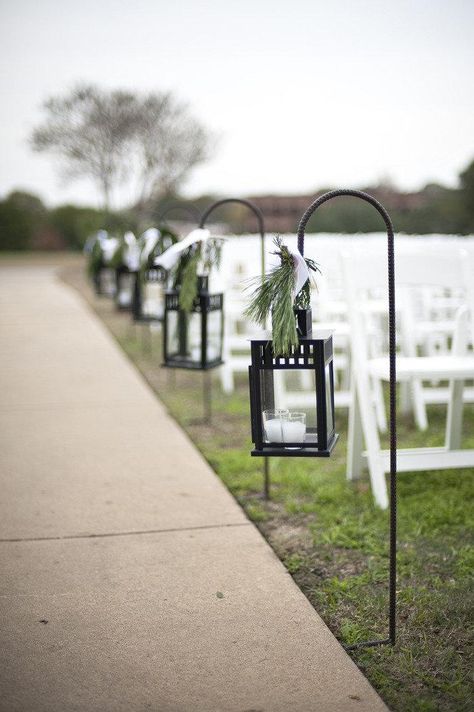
pixel 99 249
pixel 193 339
pixel 193 330
pixel 291 373
pixel 126 262
pixel 150 281
pixel 305 430
pixel 149 295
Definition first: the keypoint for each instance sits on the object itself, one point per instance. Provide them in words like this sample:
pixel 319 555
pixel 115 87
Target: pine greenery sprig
pixel 189 282
pixel 95 260
pixel 202 256
pixel 275 296
pixel 166 239
pixel 118 258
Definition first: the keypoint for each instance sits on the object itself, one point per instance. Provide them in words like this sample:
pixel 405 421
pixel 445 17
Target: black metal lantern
pixel 102 274
pixel 148 303
pixel 149 288
pixel 193 340
pixel 308 431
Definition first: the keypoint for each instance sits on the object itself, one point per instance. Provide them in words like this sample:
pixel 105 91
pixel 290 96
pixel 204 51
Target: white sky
pixel 304 94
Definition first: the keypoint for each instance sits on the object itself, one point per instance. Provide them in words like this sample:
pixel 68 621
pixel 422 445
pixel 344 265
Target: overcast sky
pixel 304 94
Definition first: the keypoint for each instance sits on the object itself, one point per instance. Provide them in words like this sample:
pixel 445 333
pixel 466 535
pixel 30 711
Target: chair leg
pixel 419 407
pixel 456 388
pixel 371 438
pixel 355 440
pixel 379 402
pixel 454 419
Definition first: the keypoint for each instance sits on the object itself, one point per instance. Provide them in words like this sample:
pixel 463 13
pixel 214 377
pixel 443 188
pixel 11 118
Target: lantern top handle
pixel 256 211
pixel 335 194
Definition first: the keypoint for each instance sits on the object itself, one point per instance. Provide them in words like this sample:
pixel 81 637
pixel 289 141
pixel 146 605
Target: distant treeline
pixel 27 224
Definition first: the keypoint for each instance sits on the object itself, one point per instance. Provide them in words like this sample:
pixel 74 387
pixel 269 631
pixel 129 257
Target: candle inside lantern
pixel 294 432
pixel 294 429
pixel 273 421
pixel 273 430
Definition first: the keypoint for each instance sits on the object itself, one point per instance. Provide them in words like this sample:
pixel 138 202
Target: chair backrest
pixel 365 276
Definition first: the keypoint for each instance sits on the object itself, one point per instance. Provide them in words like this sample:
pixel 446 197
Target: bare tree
pixel 169 142
pixel 116 138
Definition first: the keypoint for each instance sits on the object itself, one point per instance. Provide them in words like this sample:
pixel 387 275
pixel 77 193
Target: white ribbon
pixel 301 271
pixel 168 259
pixel 132 252
pixel 108 247
pixel 151 237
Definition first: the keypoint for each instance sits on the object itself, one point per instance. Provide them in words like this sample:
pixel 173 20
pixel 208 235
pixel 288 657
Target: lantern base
pixel 269 451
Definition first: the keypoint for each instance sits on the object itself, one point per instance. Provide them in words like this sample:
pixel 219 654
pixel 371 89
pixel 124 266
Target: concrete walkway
pixel 130 579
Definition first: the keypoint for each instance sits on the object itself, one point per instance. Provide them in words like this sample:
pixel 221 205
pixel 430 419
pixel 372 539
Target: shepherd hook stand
pixel 393 426
pixel 261 228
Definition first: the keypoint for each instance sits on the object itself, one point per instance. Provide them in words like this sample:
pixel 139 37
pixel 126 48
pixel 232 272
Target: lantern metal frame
pixel 314 353
pixel 392 395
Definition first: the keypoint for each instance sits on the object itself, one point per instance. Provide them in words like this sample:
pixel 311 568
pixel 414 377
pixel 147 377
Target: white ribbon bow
pixel 151 237
pixel 301 271
pixel 168 259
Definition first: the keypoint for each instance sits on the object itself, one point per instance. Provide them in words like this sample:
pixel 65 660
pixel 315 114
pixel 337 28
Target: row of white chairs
pixel 435 304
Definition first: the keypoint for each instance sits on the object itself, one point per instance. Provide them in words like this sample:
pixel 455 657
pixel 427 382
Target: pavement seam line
pixel 107 535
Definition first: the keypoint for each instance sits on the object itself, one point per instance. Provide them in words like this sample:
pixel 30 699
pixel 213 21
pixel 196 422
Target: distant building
pixel 282 213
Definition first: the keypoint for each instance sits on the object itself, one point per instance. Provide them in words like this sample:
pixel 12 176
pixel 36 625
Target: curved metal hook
pixel 191 209
pixel 256 211
pixel 392 355
pixel 334 194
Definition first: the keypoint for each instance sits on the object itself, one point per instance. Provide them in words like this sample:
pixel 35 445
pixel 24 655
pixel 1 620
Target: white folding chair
pixel 365 272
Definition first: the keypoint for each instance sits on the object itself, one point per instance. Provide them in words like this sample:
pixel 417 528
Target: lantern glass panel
pixel 107 281
pixel 329 398
pixel 153 300
pixel 184 337
pixel 292 393
pixel 214 336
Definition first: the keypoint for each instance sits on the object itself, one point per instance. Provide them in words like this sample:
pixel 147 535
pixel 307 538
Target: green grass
pixel 333 539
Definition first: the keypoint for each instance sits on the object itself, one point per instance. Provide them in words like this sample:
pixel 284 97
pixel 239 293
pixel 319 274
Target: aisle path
pixel 130 579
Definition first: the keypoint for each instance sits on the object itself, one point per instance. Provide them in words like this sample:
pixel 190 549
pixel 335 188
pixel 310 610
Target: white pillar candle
pixel 293 432
pixel 273 432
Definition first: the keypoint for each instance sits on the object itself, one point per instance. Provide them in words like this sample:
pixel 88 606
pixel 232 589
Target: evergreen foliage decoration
pixel 275 296
pixel 118 258
pixel 95 260
pixel 199 258
pixel 158 249
pixel 189 281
